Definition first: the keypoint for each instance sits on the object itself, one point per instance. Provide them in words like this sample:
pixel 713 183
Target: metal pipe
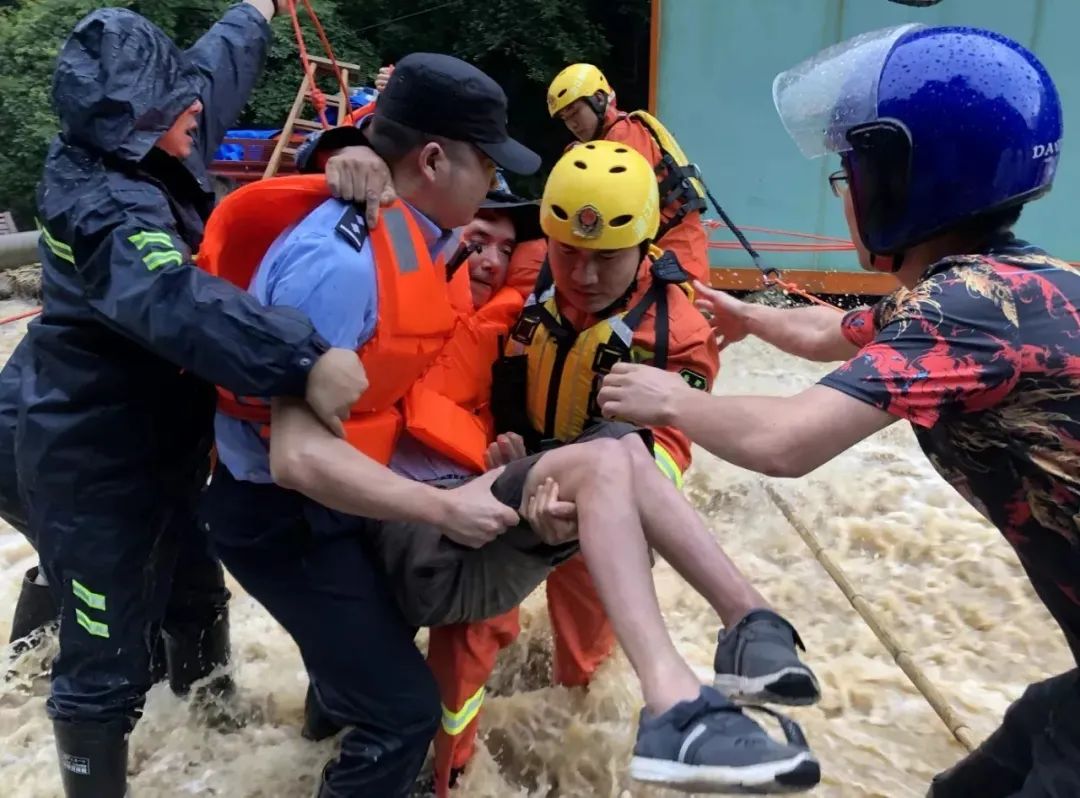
pixel 19 249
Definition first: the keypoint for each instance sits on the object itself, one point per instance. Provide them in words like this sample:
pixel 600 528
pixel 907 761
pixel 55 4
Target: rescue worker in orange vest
pixel 441 126
pixel 583 99
pixel 582 317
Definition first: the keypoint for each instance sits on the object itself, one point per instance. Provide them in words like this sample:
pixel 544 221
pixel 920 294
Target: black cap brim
pixel 511 155
pixel 525 214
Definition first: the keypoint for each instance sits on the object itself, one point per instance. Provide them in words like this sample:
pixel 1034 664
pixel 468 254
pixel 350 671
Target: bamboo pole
pixel 902 658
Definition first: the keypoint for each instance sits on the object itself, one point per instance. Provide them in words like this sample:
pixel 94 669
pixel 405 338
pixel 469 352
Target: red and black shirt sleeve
pixel 948 346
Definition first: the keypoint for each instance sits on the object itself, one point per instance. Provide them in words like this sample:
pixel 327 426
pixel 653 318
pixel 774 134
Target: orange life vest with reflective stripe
pixel 418 311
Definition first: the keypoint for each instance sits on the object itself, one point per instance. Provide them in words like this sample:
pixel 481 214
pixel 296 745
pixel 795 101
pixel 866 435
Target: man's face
pixel 580 119
pixel 592 279
pixel 179 139
pixel 493 233
pixel 840 183
pixel 460 177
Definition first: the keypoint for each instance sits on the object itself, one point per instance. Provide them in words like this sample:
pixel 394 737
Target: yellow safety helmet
pixel 573 83
pixel 601 195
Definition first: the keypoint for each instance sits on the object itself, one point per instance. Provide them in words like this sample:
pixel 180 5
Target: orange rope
pixel 318 98
pixel 713 223
pixel 791 288
pixel 17 316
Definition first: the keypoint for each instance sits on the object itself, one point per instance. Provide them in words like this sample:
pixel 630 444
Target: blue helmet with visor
pixel 935 126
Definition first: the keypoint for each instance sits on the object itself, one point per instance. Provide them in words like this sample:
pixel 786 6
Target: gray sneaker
pixel 757 661
pixel 709 745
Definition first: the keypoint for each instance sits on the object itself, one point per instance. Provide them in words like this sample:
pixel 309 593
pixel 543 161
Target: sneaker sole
pixel 793 687
pixel 796 774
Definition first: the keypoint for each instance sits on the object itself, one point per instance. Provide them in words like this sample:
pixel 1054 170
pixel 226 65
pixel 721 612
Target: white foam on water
pixel 939 576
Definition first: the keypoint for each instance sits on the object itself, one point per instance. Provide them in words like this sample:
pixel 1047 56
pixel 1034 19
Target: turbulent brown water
pixel 941 579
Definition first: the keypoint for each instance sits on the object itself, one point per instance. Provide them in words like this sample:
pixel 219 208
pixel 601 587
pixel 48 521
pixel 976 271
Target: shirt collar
pixel 434 236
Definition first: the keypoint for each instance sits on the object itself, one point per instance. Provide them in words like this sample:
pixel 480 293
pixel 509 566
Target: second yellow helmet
pixel 573 83
pixel 601 195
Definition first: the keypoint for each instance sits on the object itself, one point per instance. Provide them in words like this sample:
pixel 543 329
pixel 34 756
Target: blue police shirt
pixel 315 269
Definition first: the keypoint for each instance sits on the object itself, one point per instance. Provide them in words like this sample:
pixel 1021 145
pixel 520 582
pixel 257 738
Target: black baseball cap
pixel 523 213
pixel 445 96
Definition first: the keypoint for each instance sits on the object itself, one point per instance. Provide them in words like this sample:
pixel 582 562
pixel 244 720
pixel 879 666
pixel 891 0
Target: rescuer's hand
pixel 504 450
pixel 336 382
pixel 383 77
pixel 472 516
pixel 357 174
pixel 554 521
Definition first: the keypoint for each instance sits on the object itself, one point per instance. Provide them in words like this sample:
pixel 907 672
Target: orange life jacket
pixel 357 114
pixel 461 374
pixel 418 311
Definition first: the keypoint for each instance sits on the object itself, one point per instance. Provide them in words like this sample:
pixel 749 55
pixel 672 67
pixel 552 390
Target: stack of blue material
pixel 235 152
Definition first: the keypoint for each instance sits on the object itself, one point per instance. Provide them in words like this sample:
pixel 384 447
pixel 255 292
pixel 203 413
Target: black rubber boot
pixel 193 652
pixel 34 609
pixel 93 758
pixel 316 725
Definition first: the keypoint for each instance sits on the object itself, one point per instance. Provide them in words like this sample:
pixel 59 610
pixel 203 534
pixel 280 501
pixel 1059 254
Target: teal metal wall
pixel 717 62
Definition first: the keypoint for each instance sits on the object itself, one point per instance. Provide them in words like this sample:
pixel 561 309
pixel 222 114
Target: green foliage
pixel 521 43
pixel 30 36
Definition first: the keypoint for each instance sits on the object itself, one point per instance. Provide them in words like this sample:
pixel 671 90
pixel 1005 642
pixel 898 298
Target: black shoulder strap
pixel 544 279
pixel 665 271
pixel 351 226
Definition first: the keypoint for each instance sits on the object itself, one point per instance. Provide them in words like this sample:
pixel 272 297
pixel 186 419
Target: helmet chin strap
pixel 600 109
pixel 887 263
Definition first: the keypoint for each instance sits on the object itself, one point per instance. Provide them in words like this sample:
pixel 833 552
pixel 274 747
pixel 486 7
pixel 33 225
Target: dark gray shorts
pixel 437 581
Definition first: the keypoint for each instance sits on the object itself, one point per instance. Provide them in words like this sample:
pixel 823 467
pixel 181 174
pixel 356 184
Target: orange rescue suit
pixel 418 312
pixel 687 239
pixel 462 656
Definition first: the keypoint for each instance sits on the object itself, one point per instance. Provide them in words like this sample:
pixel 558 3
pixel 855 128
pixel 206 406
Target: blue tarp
pixel 235 152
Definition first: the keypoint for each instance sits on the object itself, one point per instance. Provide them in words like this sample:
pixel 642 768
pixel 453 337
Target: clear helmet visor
pixel 826 95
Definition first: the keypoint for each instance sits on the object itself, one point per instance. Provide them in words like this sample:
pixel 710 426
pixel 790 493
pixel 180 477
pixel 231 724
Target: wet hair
pixel 394 142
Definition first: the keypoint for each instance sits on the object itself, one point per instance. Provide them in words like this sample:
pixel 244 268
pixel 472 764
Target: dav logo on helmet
pixel 1046 150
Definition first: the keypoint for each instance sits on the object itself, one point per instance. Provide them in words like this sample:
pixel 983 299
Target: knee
pixel 637 451
pixel 606 460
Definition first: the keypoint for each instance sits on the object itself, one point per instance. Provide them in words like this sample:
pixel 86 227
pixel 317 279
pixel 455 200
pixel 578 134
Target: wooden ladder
pixel 294 121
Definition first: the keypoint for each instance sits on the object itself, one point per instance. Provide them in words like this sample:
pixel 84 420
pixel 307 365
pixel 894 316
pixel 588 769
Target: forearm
pixel 230 57
pixel 745 431
pixel 809 333
pixel 307 458
pixel 210 328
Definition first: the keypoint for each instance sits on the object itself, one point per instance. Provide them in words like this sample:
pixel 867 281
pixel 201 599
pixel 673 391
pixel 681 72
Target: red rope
pixel 318 98
pixel 17 316
pixel 713 223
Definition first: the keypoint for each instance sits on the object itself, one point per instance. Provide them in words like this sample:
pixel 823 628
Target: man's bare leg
pixel 689 737
pixel 597 477
pixel 756 657
pixel 674 528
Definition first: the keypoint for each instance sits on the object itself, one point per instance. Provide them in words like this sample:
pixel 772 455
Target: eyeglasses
pixel 838 182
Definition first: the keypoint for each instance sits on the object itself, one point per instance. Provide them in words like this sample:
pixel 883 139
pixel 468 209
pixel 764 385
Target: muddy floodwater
pixel 941 579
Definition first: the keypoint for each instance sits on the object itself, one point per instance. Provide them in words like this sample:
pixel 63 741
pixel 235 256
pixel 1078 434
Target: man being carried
pixel 443 569
pixel 602 296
